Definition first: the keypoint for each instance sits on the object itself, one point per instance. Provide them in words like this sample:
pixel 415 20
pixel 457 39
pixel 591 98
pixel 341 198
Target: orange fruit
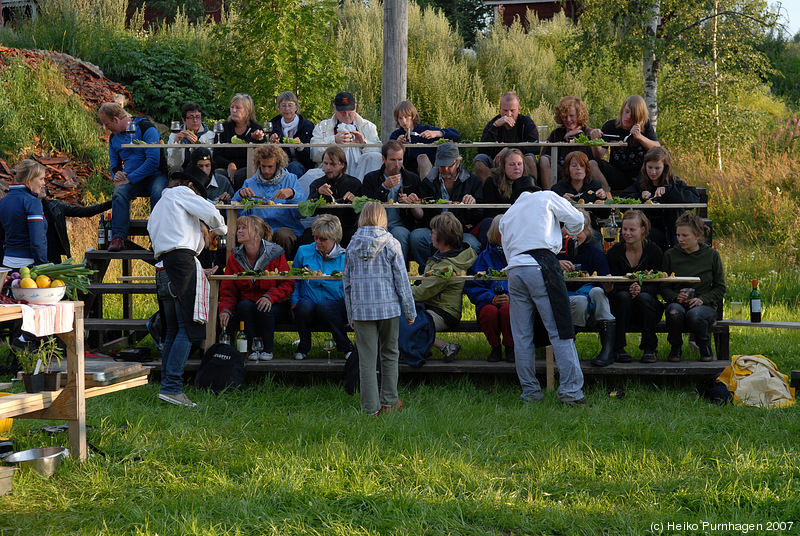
pixel 27 282
pixel 43 281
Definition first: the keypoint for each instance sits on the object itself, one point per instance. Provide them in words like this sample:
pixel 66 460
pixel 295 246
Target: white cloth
pixel 533 222
pixel 42 320
pixel 290 129
pixel 324 132
pixel 176 157
pixel 176 220
pixel 201 292
pixel 353 154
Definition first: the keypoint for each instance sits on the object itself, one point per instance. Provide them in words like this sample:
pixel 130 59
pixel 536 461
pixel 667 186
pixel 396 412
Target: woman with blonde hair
pixel 635 303
pixel 231 163
pixel 23 229
pixel 632 127
pixel 376 293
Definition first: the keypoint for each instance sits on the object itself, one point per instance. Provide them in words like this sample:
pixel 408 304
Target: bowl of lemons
pixel 41 290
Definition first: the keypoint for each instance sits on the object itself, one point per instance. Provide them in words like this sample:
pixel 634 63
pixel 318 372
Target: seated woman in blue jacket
pixel 319 302
pixel 492 304
pixel 23 229
pixel 273 182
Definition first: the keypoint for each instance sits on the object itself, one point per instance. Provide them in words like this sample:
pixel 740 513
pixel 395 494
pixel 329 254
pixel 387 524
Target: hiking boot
pixel 253 356
pixel 649 357
pixel 394 407
pixel 622 357
pixel 116 244
pixel 450 350
pixel 300 356
pixel 179 399
pixel 495 355
pixel 510 354
pixel 265 356
pixel 706 354
pixel 675 355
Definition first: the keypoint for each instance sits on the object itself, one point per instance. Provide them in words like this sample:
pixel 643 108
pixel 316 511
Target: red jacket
pixel 231 291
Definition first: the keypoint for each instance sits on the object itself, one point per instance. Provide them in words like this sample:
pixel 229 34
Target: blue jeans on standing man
pixel 177 346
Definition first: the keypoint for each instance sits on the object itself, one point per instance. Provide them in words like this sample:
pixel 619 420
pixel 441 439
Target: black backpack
pixel 222 368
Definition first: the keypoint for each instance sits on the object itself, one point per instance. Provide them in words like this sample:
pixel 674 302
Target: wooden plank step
pixel 125 254
pixel 115 324
pixel 122 288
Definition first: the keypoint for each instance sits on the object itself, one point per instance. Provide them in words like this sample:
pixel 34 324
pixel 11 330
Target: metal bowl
pixel 44 461
pixel 49 295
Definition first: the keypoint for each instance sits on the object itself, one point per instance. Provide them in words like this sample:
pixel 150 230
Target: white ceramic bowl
pixel 48 295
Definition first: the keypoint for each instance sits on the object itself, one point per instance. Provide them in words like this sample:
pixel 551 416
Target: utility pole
pixel 395 61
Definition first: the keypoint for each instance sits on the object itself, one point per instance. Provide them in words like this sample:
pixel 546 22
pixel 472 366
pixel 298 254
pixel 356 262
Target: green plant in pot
pixel 40 378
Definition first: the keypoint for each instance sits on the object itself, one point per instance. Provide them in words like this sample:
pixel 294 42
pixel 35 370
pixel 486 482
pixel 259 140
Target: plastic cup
pixel 737 308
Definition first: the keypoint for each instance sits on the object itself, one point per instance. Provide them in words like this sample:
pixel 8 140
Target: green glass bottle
pixel 755 303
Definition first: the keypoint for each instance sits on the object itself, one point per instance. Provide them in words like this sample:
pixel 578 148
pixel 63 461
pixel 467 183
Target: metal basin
pixel 44 461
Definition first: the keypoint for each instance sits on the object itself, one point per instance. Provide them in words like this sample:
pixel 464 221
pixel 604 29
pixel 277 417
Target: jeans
pixel 261 323
pixel 330 315
pixel 496 321
pixel 580 307
pixel 403 235
pixel 644 310
pixel 296 168
pixel 421 245
pixel 123 195
pixel 177 346
pixel 372 337
pixel 529 297
pixel 696 320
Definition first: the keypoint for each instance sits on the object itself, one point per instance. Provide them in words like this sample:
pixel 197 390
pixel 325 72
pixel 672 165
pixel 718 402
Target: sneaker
pixel 394 407
pixel 675 355
pixel 253 356
pixel 265 356
pixel 510 354
pixel 649 357
pixel 622 357
pixel 495 355
pixel 706 354
pixel 450 351
pixel 116 244
pixel 300 356
pixel 179 399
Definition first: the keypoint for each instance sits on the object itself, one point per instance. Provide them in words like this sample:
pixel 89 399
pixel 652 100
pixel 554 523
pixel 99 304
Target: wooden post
pixel 395 61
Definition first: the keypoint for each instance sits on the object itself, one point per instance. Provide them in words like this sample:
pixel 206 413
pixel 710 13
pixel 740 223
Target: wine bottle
pixel 101 232
pixel 755 303
pixel 108 228
pixel 224 338
pixel 241 339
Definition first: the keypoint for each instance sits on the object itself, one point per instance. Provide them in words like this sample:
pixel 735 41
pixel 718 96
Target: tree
pixel 470 16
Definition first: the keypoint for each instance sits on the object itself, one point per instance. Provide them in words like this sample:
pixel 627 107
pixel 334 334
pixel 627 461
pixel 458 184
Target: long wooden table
pixel 68 404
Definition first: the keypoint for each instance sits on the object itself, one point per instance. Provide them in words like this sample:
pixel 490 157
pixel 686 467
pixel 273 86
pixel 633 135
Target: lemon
pixel 24 271
pixel 27 282
pixel 42 281
pixel 57 283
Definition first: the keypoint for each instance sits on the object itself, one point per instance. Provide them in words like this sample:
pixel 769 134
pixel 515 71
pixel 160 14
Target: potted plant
pixel 51 351
pixel 45 379
pixel 28 359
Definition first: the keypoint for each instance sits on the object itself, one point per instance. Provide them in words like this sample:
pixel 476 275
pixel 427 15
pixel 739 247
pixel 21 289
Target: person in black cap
pixel 346 126
pixel 451 181
pixel 176 228
pixel 218 187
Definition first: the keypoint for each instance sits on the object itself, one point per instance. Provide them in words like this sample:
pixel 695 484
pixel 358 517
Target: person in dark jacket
pixel 636 302
pixel 498 187
pixel 56 214
pixel 23 229
pixel 229 162
pixel 508 127
pixel 451 181
pixel 290 124
pixel 335 187
pixel 658 183
pixel 492 304
pixel 418 160
pixel 392 183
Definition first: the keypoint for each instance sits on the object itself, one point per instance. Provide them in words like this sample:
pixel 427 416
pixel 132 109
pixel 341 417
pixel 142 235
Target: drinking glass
pixel 218 129
pixel 175 126
pixel 257 345
pixel 131 129
pixel 267 128
pixel 544 131
pixel 736 310
pixel 610 235
pixel 328 345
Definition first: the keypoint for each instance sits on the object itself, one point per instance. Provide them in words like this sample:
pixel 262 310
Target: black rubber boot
pixel 607 337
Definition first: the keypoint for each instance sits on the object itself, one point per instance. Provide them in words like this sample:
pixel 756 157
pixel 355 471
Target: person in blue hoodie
pixel 590 301
pixel 320 302
pixel 491 300
pixel 273 183
pixel 23 229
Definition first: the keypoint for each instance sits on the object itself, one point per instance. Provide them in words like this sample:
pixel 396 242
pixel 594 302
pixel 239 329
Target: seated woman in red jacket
pixel 259 303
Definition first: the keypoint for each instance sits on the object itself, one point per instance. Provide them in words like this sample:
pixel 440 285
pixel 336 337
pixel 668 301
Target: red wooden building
pixel 508 10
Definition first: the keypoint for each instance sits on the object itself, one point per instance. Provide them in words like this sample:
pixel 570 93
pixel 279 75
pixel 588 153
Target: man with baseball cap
pixel 346 126
pixel 451 181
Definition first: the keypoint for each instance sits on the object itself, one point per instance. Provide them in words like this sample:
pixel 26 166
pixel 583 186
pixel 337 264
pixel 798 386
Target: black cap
pixel 201 153
pixel 523 184
pixel 194 175
pixel 344 102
